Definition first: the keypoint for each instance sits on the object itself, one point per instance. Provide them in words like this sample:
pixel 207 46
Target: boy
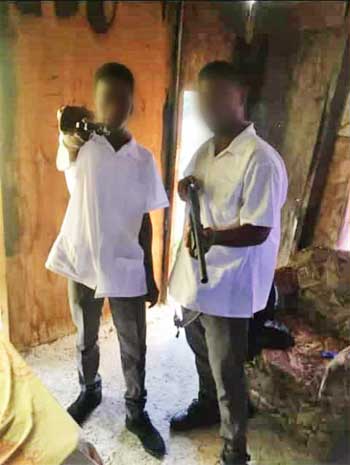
pixel 242 186
pixel 104 247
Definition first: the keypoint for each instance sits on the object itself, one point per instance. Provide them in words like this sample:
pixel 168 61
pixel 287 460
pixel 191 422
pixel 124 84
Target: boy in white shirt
pixel 104 247
pixel 242 186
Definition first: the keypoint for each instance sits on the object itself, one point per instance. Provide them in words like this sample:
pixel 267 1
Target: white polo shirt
pixel 244 184
pixel 98 244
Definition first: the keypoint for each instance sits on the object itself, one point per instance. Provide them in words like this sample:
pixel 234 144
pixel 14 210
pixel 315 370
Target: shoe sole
pixel 151 452
pixel 179 430
pixel 86 417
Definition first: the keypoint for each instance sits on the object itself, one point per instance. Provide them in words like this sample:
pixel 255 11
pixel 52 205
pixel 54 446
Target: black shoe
pixel 150 438
pixel 85 404
pixel 198 415
pixel 232 456
pixel 252 410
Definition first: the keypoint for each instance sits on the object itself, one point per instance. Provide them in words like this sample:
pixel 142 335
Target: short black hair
pixel 223 70
pixel 115 71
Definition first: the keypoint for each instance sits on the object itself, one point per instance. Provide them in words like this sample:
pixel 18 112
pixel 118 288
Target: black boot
pixel 86 403
pixel 252 410
pixel 150 438
pixel 233 456
pixel 198 415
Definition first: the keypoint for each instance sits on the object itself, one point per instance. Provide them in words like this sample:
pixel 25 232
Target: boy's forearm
pixel 242 236
pixel 145 239
pixel 68 149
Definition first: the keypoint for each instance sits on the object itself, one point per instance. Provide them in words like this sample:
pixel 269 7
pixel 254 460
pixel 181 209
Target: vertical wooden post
pixel 170 137
pixel 7 115
pixel 4 311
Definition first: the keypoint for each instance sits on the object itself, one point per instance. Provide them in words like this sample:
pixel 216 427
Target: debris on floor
pixel 171 383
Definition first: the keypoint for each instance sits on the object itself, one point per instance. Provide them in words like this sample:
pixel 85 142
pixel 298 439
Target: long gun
pixel 195 218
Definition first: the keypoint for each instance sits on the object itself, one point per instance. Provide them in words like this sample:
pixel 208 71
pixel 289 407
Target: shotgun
pixel 196 226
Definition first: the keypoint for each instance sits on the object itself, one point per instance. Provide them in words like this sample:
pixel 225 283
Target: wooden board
pixel 336 197
pixel 299 72
pixel 4 316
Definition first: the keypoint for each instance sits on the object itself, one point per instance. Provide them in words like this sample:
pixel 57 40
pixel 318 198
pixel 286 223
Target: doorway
pixel 193 133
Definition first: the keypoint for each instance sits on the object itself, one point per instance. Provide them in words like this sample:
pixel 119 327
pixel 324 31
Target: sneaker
pixel 232 456
pixel 150 438
pixel 85 404
pixel 198 415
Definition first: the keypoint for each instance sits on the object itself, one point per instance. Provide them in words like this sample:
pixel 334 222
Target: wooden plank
pixel 317 15
pixel 323 153
pixel 170 135
pixel 336 197
pixel 4 310
pixel 295 97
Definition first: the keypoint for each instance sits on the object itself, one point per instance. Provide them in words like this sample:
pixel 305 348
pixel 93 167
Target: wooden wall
pixel 48 62
pixel 299 83
pixel 205 38
pixel 336 197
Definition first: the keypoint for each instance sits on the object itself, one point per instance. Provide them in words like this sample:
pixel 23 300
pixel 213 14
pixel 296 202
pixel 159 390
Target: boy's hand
pixel 153 294
pixel 183 186
pixel 206 236
pixel 69 116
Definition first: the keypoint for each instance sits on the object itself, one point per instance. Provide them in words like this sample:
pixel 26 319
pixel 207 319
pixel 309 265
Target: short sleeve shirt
pixel 98 244
pixel 244 184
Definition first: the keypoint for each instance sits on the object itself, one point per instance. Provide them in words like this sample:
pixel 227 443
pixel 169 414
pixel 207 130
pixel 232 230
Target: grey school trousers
pixel 220 348
pixel 129 318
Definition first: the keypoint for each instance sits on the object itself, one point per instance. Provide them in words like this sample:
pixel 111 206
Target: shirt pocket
pixel 227 200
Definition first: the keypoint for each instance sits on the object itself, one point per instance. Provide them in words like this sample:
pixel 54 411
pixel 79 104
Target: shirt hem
pixel 195 308
pixel 112 294
pixel 157 206
pixel 68 275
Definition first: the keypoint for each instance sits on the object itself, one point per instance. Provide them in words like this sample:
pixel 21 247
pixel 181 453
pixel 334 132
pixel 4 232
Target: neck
pixel 120 133
pixel 119 137
pixel 223 138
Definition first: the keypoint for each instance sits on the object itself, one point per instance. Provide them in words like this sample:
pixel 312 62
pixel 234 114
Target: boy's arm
pixel 67 152
pixel 145 239
pixel 69 141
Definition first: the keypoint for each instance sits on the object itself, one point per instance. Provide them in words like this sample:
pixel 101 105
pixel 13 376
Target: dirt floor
pixel 171 383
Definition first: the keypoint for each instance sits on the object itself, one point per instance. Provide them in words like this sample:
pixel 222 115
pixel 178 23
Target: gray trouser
pixel 220 348
pixel 129 318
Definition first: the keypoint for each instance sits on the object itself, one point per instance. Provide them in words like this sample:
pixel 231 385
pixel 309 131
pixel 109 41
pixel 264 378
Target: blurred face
pixel 113 102
pixel 221 104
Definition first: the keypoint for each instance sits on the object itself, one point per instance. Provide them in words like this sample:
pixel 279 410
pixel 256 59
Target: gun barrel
pixel 196 225
pixel 99 128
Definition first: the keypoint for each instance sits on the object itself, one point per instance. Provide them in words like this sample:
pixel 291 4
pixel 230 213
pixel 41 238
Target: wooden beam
pixel 323 154
pixel 66 8
pixel 4 309
pixel 170 136
pixel 308 72
pixel 29 7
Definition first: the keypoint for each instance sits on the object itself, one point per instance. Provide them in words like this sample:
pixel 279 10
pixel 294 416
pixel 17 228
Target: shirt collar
pixel 128 147
pixel 238 141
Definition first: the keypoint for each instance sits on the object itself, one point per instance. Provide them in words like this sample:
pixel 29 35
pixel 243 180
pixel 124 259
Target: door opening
pixel 193 133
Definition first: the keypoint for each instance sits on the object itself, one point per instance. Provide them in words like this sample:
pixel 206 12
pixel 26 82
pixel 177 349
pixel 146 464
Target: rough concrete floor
pixel 171 383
